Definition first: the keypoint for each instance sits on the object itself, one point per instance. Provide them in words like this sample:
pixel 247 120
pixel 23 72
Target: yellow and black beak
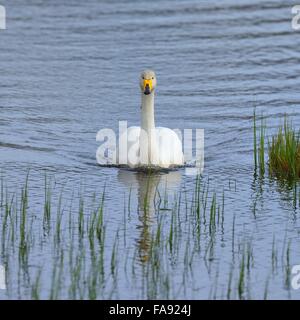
pixel 147 86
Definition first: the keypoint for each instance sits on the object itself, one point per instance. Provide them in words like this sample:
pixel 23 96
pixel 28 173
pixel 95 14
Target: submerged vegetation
pixel 71 247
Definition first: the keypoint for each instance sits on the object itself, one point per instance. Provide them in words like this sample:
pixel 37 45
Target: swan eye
pixel 152 78
pixel 143 77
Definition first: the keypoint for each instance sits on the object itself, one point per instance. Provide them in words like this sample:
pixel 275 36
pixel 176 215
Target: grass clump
pixel 284 152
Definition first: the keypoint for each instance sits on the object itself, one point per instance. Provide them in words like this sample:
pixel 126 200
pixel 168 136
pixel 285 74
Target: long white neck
pixel 148 145
pixel 147 121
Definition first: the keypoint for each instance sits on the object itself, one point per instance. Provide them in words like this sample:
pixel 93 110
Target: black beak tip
pixel 147 90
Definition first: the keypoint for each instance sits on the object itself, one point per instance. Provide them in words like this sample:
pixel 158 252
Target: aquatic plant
pixel 87 259
pixel 259 147
pixel 284 152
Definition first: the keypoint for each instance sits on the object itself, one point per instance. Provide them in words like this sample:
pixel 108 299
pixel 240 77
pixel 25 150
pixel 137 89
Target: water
pixel 69 69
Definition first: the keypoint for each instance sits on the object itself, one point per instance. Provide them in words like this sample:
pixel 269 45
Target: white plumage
pixel 147 145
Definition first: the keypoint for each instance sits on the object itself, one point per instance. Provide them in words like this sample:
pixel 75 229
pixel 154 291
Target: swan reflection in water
pixel 149 187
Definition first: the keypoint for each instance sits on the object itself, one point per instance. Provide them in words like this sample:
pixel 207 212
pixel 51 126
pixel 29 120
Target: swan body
pixel 168 149
pixel 147 145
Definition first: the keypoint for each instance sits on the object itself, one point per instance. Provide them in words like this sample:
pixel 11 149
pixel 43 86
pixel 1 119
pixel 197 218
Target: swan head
pixel 147 81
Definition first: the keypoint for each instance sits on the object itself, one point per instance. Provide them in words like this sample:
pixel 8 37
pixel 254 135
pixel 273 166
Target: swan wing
pixel 170 147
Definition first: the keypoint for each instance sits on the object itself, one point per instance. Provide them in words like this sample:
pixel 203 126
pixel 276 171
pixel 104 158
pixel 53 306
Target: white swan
pixel 147 145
